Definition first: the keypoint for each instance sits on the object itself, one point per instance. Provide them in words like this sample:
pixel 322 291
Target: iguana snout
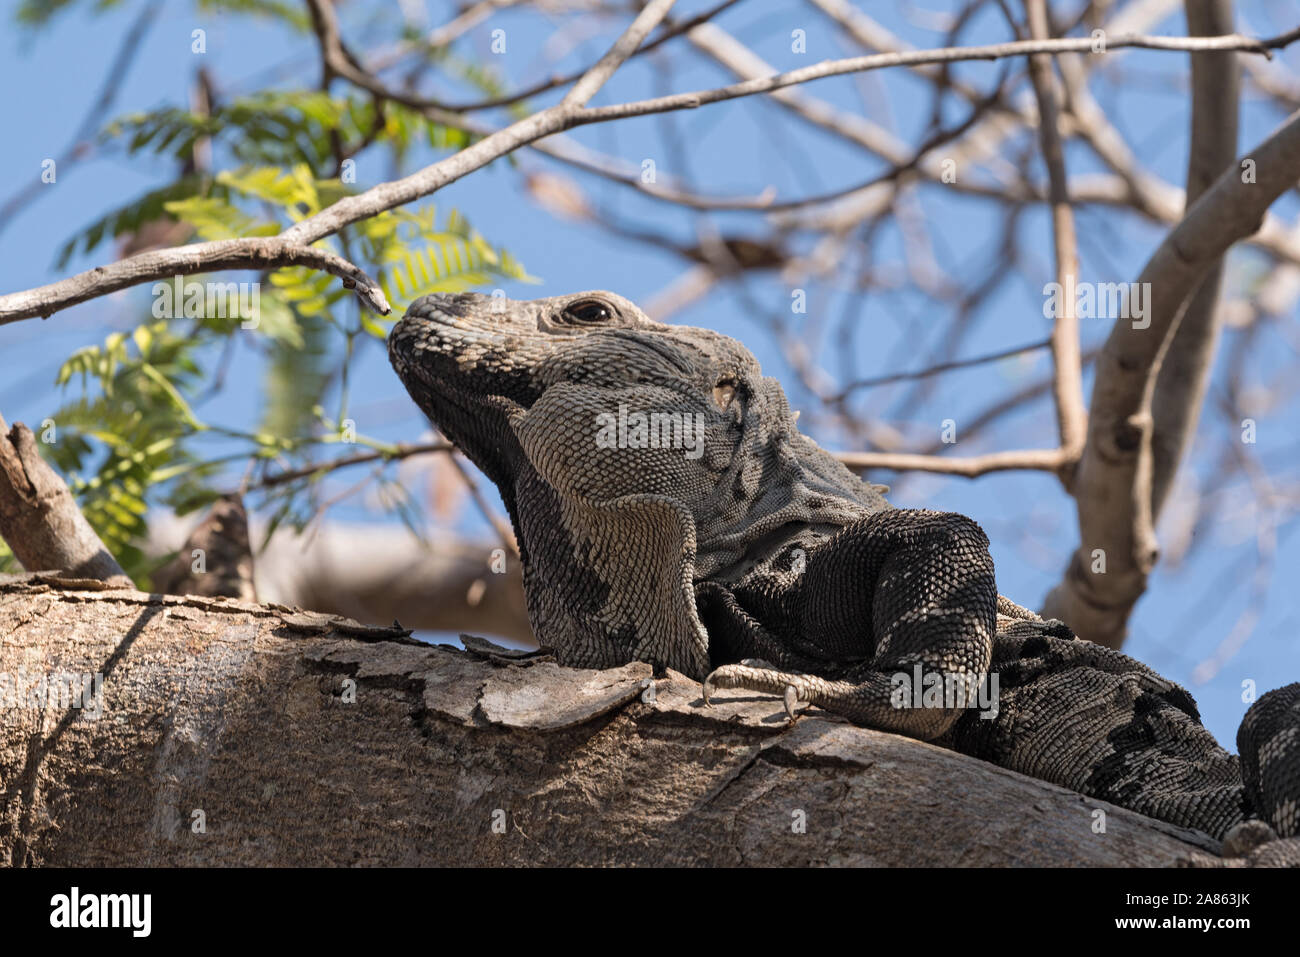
pixel 472 355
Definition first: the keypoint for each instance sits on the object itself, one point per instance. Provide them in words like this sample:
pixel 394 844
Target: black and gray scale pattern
pixel 758 561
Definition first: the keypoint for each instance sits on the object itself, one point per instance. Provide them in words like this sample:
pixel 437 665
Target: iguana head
pixel 475 363
pixel 635 458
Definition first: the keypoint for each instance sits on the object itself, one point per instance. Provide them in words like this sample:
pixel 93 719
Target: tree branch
pixel 292 246
pixel 1113 478
pixel 259 253
pixel 1041 460
pixel 863 64
pixel 1067 390
pixel 1185 370
pixel 310 739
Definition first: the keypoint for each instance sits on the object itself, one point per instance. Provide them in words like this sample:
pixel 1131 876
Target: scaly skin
pixel 739 552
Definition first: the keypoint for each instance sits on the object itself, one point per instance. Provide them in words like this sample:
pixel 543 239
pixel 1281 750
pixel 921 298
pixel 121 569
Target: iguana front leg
pixel 898 603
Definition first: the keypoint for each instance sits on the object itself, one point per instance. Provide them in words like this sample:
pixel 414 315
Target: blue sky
pixel 52 76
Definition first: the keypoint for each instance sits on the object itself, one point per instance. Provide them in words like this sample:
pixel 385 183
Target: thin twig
pixel 401 451
pixel 940 367
pixel 503 530
pixel 1071 417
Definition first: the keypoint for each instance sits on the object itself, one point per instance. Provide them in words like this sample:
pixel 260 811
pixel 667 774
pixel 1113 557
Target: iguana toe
pixel 752 674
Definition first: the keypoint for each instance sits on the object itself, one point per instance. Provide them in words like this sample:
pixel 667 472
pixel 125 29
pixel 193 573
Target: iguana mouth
pixel 428 348
pixel 471 409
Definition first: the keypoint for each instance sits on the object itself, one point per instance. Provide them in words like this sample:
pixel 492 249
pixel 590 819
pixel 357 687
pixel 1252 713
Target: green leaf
pixel 215 218
pixel 291 15
pixel 290 190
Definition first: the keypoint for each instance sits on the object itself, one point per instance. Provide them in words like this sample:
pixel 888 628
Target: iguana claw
pixel 791 699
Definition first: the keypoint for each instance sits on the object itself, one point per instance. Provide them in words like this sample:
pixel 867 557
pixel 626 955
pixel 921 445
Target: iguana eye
pixel 723 393
pixel 587 312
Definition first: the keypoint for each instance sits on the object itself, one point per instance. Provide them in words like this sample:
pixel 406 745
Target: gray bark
pixel 306 739
pixel 39 518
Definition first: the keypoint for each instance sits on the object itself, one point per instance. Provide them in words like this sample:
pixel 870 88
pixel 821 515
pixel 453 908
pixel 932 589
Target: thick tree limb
pixel 378 573
pixel 1185 369
pixel 384 574
pixel 239 734
pixel 1113 482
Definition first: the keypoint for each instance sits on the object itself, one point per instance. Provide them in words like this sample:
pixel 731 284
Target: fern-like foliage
pixel 420 257
pixel 282 128
pixel 132 437
pixel 126 429
pixel 132 431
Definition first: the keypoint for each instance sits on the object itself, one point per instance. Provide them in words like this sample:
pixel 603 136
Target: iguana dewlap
pixel 669 510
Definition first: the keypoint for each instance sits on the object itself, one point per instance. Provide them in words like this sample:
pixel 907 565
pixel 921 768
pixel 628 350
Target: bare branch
pixel 1112 481
pixel 1039 460
pixel 401 451
pixel 292 246
pixel 1185 370
pixel 554 119
pixel 624 47
pixel 258 253
pixel 1071 419
pixel 670 30
pixel 940 367
pixel 994 51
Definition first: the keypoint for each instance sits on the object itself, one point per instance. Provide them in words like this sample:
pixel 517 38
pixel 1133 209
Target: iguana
pixel 668 510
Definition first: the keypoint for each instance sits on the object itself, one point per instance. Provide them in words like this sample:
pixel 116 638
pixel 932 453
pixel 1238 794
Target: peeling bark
pixel 299 738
